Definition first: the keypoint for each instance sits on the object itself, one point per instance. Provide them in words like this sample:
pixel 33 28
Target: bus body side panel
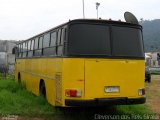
pixel 36 69
pixel 128 75
pixel 20 67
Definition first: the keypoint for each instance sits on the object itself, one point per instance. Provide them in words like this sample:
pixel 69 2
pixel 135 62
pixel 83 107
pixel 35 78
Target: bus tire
pixel 42 89
pixel 19 78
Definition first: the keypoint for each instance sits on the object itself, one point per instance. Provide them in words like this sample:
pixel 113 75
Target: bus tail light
pixel 141 92
pixel 73 93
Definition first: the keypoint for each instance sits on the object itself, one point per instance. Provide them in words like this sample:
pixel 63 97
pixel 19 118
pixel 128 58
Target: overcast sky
pixel 21 19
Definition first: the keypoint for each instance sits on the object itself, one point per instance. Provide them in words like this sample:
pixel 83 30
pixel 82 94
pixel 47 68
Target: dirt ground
pixel 153 94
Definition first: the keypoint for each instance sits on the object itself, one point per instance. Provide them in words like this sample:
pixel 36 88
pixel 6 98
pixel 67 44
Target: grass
pixel 153 94
pixel 130 111
pixel 16 100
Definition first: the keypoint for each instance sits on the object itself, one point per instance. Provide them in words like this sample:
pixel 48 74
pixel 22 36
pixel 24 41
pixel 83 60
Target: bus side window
pixel 46 40
pixel 21 47
pixel 40 42
pixel 60 42
pixel 62 36
pixel 23 44
pixel 37 52
pixel 65 42
pixel 53 42
pixel 59 37
pixel 25 49
pixel 36 43
pixel 32 45
pixel 29 45
pixel 19 50
pixel 30 53
pixel 40 45
pixel 46 44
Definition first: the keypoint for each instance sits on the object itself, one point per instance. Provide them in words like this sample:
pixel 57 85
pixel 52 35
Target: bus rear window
pixel 127 42
pixel 87 39
pixel 105 40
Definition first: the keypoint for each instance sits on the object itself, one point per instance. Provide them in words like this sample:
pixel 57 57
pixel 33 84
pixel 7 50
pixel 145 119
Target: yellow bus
pixel 85 62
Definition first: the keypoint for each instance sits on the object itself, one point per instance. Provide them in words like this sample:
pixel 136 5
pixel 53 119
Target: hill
pixel 151 33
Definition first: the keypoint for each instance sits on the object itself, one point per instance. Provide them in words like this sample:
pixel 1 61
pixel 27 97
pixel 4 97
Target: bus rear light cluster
pixel 73 93
pixel 141 92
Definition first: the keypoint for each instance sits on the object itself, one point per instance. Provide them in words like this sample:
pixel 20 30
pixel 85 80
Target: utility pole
pixel 83 9
pixel 97 5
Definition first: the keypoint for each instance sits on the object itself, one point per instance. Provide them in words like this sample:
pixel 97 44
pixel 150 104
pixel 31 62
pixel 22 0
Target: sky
pixel 22 19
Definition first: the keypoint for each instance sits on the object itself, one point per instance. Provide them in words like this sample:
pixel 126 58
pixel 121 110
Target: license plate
pixel 111 89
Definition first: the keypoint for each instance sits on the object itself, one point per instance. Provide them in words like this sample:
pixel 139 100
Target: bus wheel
pixel 42 89
pixel 19 78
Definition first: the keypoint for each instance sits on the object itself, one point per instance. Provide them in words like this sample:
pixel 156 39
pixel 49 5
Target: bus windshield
pixel 105 40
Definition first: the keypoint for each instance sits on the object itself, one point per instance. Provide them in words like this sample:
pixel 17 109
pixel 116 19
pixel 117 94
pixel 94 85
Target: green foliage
pixel 15 99
pixel 151 31
pixel 130 111
pixel 133 109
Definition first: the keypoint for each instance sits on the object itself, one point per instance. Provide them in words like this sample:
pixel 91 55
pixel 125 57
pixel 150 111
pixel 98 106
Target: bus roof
pixel 85 21
pixel 102 21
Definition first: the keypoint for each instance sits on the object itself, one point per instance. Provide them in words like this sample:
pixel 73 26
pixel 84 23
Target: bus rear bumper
pixel 104 102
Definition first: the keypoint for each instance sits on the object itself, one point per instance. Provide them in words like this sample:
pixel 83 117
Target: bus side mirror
pixel 14 50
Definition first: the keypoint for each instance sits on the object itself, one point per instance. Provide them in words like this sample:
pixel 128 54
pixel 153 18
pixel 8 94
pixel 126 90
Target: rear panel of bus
pixel 91 77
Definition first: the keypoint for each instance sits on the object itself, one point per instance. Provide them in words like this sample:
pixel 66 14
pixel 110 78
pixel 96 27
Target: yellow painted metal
pixel 127 74
pixel 89 75
pixel 36 69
